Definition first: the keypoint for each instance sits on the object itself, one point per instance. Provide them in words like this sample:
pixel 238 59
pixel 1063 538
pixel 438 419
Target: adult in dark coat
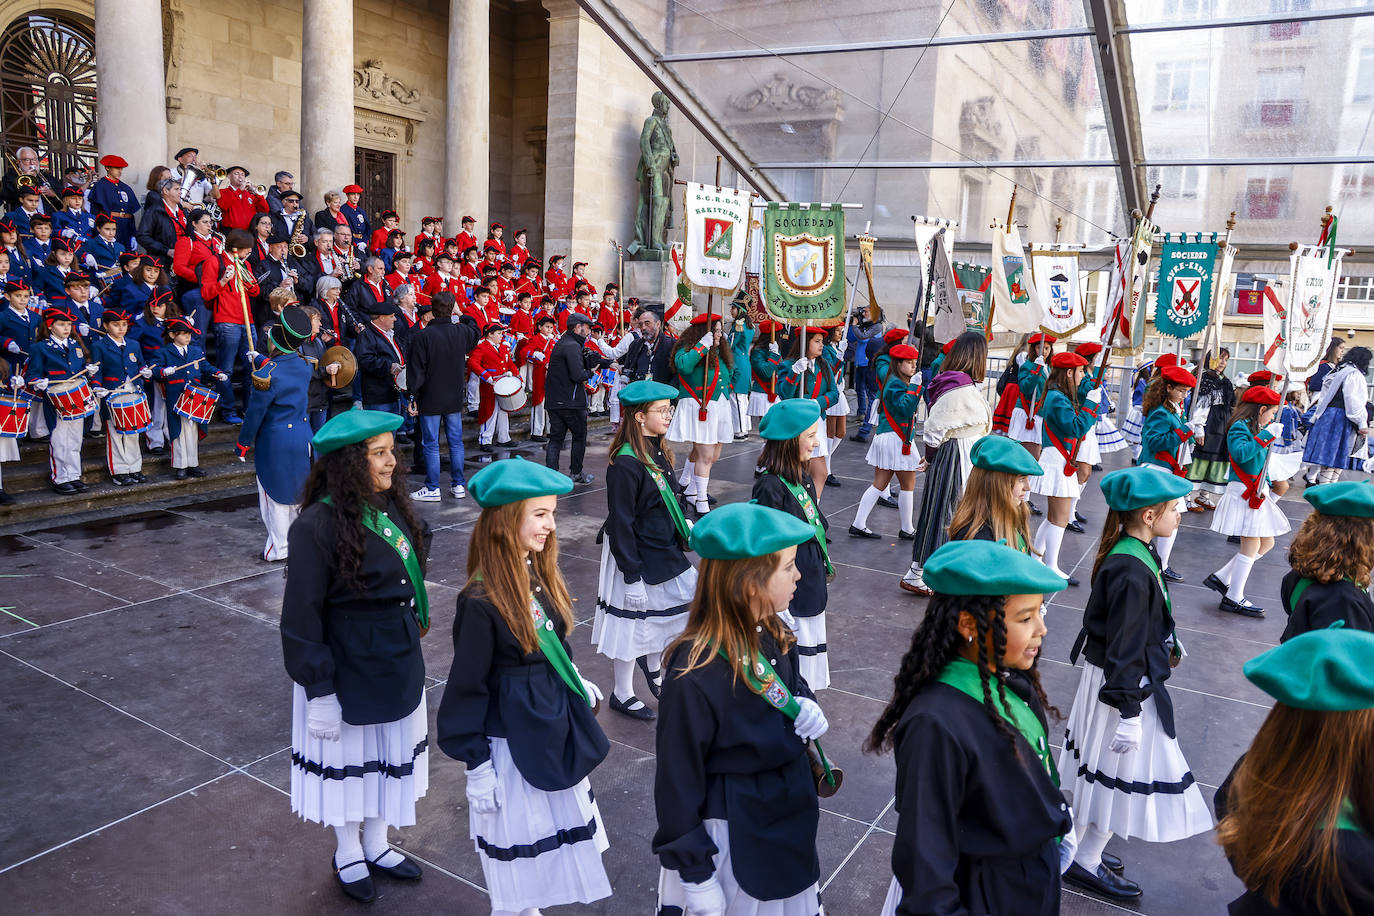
pixel 565 394
pixel 435 362
pixel 651 354
pixel 159 228
pixel 283 223
pixel 380 358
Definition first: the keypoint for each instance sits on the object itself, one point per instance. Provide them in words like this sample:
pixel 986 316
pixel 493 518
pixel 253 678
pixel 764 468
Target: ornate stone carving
pixel 173 50
pixel 978 121
pixel 372 80
pixel 781 94
pixel 376 125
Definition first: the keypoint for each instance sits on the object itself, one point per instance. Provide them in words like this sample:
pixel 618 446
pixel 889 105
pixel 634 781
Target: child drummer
pixel 58 357
pixel 9 445
pixel 121 368
pixel 177 364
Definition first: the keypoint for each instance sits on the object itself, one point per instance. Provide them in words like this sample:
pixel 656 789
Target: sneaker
pixel 584 478
pixel 426 495
pixel 459 491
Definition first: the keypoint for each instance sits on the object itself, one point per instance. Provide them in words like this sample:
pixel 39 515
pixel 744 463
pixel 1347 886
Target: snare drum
pixel 72 398
pixel 196 403
pixel 129 413
pixel 14 416
pixel 510 393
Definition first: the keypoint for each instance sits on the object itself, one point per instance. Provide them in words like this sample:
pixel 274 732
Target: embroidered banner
pixel 1183 304
pixel 975 283
pixel 946 307
pixel 804 261
pixel 1016 303
pixel 1313 278
pixel 1057 277
pixel 716 236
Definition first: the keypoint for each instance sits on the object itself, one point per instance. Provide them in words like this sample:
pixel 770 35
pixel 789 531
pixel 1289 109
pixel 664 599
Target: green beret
pixel 1135 488
pixel 998 453
pixel 1326 670
pixel 790 418
pixel 646 391
pixel 354 426
pixel 988 568
pixel 742 530
pixel 1351 498
pixel 513 479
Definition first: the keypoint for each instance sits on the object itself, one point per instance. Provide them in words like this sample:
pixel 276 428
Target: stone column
pixel 131 107
pixel 467 125
pixel 326 100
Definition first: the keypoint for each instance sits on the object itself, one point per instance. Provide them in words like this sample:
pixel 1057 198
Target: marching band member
pixel 121 367
pixel 579 275
pixel 72 222
pixel 1331 558
pixel 227 288
pixel 194 248
pixel 789 431
pixel 26 162
pixel 50 279
pixel 1164 437
pixel 733 787
pixel 175 366
pixel 1121 753
pixel 164 222
pixel 519 253
pixel 891 452
pixel 76 297
pixel 14 247
pixel 318 263
pixel 516 710
pixel 555 281
pixel 292 221
pixel 355 218
pixel 201 191
pixel 1065 422
pixel 807 375
pixel 9 448
pixel 442 280
pixel 131 292
pixel 391 222
pixel 1247 509
pixel 238 202
pixel 981 824
pixel 57 357
pixel 494 242
pixel 148 332
pixel 431 230
pixel 19 325
pixel 532 355
pixel 101 252
pixel 39 245
pixel 331 217
pixel 646 582
pixel 489 362
pixel 703 360
pixel 28 210
pixel 380 361
pixel 353 613
pixel 837 413
pixel 466 238
pixel 1026 422
pixel 1089 450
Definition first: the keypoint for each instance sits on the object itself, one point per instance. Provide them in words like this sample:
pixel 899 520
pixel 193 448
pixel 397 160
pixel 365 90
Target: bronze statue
pixel 657 160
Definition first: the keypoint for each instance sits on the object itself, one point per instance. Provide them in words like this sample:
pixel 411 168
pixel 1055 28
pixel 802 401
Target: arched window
pixel 47 88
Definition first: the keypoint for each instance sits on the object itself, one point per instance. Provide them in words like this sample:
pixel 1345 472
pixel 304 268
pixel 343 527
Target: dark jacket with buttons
pixel 363 646
pixel 644 540
pixel 812 591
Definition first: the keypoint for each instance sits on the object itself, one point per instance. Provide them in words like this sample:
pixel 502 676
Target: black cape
pixel 1322 604
pixel 812 592
pixel 644 540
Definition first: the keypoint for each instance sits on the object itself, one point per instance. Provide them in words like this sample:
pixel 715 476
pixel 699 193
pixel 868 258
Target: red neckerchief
pixel 177 216
pixel 339 218
pixel 334 313
pixel 320 259
pixel 1253 482
pixel 1064 449
pixel 710 390
pixel 905 434
pixel 401 357
pixel 769 387
pixel 376 289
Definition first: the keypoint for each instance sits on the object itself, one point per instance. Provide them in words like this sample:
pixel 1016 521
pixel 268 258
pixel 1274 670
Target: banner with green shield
pixel 803 261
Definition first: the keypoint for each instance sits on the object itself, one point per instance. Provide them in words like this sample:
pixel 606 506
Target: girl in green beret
pixel 808 375
pixel 837 414
pixel 994 506
pixel 979 811
pixel 765 362
pixel 704 362
pixel 646 582
pixel 1031 368
pixel 1331 557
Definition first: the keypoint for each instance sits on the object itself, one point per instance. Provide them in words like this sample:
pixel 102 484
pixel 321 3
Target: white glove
pixel 1094 396
pixel 101 392
pixel 594 694
pixel 39 384
pixel 68 233
pixel 1274 429
pixel 537 356
pixel 704 899
pixel 145 372
pixel 708 340
pixel 636 596
pixel 1068 845
pixel 801 365
pixel 773 348
pixel 484 795
pixel 252 354
pixel 223 377
pixel 1040 361
pixel 13 347
pixel 1127 737
pixel 83 329
pixel 323 717
pixel 17 382
pixel 92 368
pixel 810 723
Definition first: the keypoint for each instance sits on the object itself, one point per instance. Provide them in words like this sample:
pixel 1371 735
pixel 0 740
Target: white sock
pixel 349 849
pixel 1240 574
pixel 1090 847
pixel 375 846
pixel 1165 548
pixel 688 468
pixel 866 504
pixel 699 484
pixel 914 575
pixel 1054 537
pixel 1224 574
pixel 531 911
pixel 1038 542
pixel 1073 508
pixel 624 679
pixel 834 444
pixel 906 504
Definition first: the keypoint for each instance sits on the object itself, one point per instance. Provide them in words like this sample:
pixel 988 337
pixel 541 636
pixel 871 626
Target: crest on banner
pixel 711 260
pixel 1057 276
pixel 803 263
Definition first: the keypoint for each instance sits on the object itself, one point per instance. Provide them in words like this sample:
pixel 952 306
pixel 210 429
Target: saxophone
pixel 297 247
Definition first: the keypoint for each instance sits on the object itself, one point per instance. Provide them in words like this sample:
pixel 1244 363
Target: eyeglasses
pixel 665 412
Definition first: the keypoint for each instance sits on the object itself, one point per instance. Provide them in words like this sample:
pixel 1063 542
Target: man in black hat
pixel 292 221
pixel 565 393
pixel 272 272
pixel 200 191
pixel 239 203
pixel 381 361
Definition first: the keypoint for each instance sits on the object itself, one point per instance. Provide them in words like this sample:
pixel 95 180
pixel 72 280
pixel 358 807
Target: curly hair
pixel 1329 548
pixel 344 476
pixel 692 336
pixel 935 644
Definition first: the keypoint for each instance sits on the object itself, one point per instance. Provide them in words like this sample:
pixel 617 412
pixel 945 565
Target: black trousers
pixel 561 422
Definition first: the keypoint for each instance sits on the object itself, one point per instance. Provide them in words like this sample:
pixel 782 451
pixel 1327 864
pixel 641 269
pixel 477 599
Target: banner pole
pixel 1211 338
pixel 854 288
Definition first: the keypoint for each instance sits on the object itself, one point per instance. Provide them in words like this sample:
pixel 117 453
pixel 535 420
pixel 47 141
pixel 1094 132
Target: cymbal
pixel 348 367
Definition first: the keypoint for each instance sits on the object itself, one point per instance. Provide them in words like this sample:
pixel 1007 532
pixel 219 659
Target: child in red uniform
pixel 490 361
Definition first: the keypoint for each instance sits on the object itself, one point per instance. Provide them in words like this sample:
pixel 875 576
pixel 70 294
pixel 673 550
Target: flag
pixel 1016 303
pixel 974 283
pixel 1275 355
pixel 1314 275
pixel 1124 326
pixel 1141 244
pixel 684 289
pixel 866 244
pixel 1186 278
pixel 1056 275
pixel 804 261
pixel 717 230
pixel 946 307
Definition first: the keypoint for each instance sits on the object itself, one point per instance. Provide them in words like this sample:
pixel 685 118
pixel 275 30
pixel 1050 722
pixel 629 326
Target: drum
pixel 72 398
pixel 196 403
pixel 129 413
pixel 14 416
pixel 510 393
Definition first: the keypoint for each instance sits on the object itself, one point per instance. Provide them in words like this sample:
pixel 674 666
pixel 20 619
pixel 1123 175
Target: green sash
pixel 962 675
pixel 670 502
pixel 813 515
pixel 764 681
pixel 1301 587
pixel 553 650
pixel 1134 548
pixel 1346 820
pixel 380 524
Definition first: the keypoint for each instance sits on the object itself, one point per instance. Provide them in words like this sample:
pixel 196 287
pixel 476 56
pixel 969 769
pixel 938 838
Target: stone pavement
pixel 146 714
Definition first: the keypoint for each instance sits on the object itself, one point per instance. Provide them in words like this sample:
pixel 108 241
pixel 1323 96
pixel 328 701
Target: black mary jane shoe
pixel 856 532
pixel 1075 527
pixel 655 682
pixel 1168 573
pixel 1073 583
pixel 361 890
pixel 1103 882
pixel 907 535
pixel 1112 863
pixel 1035 510
pixel 1244 608
pixel 1078 517
pixel 888 501
pixel 404 870
pixel 1215 584
pixel 831 480
pixel 634 708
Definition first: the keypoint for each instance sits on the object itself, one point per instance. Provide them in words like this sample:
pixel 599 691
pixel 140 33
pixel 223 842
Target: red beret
pixel 1263 377
pixel 352 189
pixel 1260 394
pixel 496 226
pixel 469 219
pixel 701 319
pixel 904 351
pixel 113 162
pixel 949 345
pixel 1039 337
pixel 816 329
pixel 1176 376
pixel 1088 350
pixel 57 313
pixel 768 327
pixel 895 335
pixel 1067 360
pixel 1170 359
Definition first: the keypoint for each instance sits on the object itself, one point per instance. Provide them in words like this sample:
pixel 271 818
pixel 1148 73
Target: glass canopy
pixel 936 107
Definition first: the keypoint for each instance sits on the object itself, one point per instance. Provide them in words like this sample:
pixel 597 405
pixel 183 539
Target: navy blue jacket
pixel 275 427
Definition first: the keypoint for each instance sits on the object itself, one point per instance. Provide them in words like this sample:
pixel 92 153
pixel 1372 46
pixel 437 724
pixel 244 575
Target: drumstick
pixel 183 366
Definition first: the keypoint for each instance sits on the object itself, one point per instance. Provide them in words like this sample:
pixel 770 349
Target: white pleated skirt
pixel 371 771
pixel 737 902
pixel 813 656
pixel 759 403
pixel 1234 516
pixel 1054 482
pixel 885 452
pixel 628 635
pixel 539 848
pixel 1283 465
pixel 1148 793
pixel 1109 438
pixel 717 429
pixel 840 408
pixel 1016 429
pixel 1089 452
pixel 1131 429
